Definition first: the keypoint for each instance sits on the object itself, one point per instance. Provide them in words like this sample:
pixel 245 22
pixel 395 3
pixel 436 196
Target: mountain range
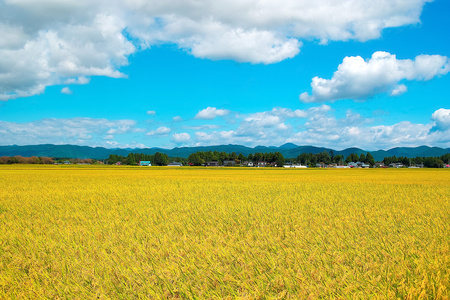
pixel 288 150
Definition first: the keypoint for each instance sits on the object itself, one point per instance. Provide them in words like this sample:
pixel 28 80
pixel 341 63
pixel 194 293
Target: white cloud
pixel 316 126
pixel 66 91
pixel 181 137
pixel 177 119
pixel 399 89
pixel 52 42
pixel 160 131
pixel 202 127
pixel 78 131
pixel 210 113
pixel 441 118
pixel 225 42
pixel 354 130
pixel 322 128
pixel 261 128
pixel 53 48
pixel 360 79
pixel 78 80
pixel 151 112
pixel 132 145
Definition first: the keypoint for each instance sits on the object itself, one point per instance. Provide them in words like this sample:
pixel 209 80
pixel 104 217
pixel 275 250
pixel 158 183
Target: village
pixel 263 164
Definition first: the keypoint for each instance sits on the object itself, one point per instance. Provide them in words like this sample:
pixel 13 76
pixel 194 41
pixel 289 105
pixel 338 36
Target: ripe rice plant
pixel 83 232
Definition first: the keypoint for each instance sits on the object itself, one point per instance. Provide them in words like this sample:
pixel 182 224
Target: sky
pixel 175 73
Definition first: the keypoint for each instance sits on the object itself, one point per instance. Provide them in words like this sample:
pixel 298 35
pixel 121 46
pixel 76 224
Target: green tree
pixel 338 159
pixel 233 156
pixel 131 159
pixel 258 157
pixel 369 159
pixel 323 157
pixel 160 159
pixel 362 158
pixel 304 158
pixel 353 157
pixel 222 157
pixel 195 159
pixel 279 159
pixel 241 158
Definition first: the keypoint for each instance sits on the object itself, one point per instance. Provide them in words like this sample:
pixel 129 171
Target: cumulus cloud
pixel 132 145
pixel 53 42
pixel 441 118
pixel 66 91
pixel 151 112
pixel 202 127
pixel 56 44
pixel 78 131
pixel 267 128
pixel 357 78
pixel 210 113
pixel 160 131
pixel 354 130
pixel 322 128
pixel 78 80
pixel 181 137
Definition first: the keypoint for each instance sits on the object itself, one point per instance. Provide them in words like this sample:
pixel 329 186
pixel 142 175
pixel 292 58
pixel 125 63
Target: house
pixel 396 165
pixel 175 164
pixel 362 165
pixel 212 164
pixel 379 165
pixel 352 165
pixel 290 165
pixel 229 163
pixel 144 163
pixel 250 164
pixel 262 164
pixel 300 166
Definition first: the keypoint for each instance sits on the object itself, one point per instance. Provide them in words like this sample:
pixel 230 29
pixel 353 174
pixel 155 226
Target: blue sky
pixel 183 73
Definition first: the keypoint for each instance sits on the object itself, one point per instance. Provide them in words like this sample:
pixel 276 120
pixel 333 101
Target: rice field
pixel 104 232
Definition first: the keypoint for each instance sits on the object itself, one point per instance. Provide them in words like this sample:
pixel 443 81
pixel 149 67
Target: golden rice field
pixel 103 232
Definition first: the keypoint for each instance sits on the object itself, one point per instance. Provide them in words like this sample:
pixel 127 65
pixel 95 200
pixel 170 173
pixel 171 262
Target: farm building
pixel 262 164
pixel 144 163
pixel 175 164
pixel 229 163
pixel 396 165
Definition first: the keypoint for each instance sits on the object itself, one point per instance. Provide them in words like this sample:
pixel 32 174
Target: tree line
pixel 17 159
pixel 328 157
pixel 201 157
pixel 157 159
pixel 429 162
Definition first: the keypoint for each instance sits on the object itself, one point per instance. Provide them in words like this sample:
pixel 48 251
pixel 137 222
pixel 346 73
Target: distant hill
pixel 288 150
